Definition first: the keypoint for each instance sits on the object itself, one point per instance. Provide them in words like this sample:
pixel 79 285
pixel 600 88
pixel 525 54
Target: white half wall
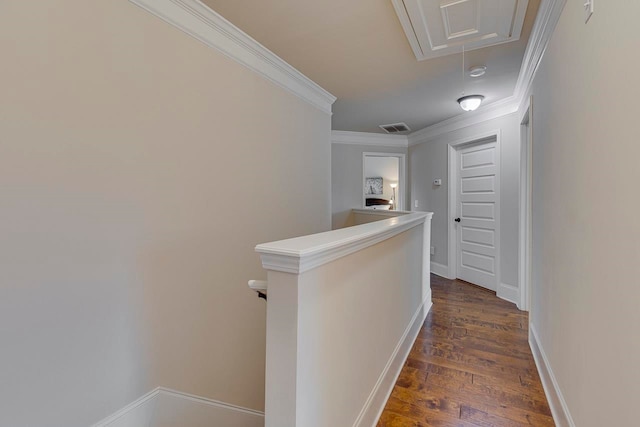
pixel 332 359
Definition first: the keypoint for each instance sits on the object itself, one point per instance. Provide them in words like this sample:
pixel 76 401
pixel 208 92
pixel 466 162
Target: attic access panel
pixel 441 27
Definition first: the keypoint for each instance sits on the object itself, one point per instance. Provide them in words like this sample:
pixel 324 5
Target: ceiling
pixel 358 51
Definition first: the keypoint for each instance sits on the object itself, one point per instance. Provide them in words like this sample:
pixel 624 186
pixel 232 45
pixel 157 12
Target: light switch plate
pixel 415 204
pixel 588 10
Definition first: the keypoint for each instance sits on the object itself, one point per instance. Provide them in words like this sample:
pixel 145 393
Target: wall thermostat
pixel 437 182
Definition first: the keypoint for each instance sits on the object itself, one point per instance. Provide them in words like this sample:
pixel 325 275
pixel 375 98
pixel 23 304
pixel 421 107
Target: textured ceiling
pixel 358 51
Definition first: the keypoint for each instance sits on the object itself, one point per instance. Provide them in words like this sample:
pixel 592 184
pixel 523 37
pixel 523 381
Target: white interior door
pixel 478 168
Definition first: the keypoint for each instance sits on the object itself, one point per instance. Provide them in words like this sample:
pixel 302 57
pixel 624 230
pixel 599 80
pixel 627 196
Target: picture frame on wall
pixel 373 186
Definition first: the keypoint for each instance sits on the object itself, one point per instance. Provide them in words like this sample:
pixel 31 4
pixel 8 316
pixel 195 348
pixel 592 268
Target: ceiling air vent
pixel 395 128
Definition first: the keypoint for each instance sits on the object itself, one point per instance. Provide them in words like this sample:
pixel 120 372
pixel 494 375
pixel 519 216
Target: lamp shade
pixel 470 102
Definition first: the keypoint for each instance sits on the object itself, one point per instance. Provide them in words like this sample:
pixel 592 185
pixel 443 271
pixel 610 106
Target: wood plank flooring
pixel 470 366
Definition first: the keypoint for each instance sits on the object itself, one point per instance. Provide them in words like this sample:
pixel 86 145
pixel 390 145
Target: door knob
pixel 457 220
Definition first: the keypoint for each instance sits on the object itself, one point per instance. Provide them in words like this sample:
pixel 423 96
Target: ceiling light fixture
pixel 468 102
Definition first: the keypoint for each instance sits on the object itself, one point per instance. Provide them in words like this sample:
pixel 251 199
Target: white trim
pixel 524 220
pixel 209 402
pixel 122 416
pixel 558 405
pixel 440 270
pixel 452 197
pixel 545 23
pixel 207 26
pixel 452 244
pixel 407 26
pixel 523 111
pixel 373 407
pixel 508 293
pixel 402 175
pixel 304 253
pixel 371 139
pixel 144 409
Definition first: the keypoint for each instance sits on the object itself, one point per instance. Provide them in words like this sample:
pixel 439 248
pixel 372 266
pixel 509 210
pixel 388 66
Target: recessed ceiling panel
pixel 460 18
pixel 441 27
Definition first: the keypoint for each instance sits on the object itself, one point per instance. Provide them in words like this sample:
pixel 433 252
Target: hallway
pixel 470 366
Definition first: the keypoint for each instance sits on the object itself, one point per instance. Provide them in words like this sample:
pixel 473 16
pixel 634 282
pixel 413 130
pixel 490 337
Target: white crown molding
pixel 205 25
pixel 492 111
pixel 305 253
pixel 545 23
pixel 371 139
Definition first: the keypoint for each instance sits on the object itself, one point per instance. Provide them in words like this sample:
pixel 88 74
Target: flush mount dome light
pixel 470 102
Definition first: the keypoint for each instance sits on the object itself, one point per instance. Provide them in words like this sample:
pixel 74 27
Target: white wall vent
pixel 395 128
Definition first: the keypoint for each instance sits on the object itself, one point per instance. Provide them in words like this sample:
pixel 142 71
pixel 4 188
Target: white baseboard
pixel 508 293
pixel 440 270
pixel 138 413
pixel 374 405
pixel 186 410
pixel 558 406
pixel 163 407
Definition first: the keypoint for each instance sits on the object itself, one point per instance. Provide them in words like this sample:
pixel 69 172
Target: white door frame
pixel 453 198
pixel 402 176
pixel 524 226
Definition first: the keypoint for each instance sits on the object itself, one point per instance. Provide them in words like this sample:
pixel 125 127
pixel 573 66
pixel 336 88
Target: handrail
pixel 304 253
pixel 260 286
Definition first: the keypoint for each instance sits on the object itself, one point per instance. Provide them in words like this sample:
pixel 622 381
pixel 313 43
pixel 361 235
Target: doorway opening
pixel 383 181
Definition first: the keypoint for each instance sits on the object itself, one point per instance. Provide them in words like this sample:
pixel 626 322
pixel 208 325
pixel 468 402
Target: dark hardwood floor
pixel 470 366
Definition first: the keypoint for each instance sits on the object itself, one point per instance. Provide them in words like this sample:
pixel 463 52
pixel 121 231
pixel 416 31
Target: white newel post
pixel 341 303
pixel 282 349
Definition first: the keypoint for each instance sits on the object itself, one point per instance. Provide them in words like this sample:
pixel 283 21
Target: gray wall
pixel 428 161
pixel 138 170
pixel 586 231
pixel 346 179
